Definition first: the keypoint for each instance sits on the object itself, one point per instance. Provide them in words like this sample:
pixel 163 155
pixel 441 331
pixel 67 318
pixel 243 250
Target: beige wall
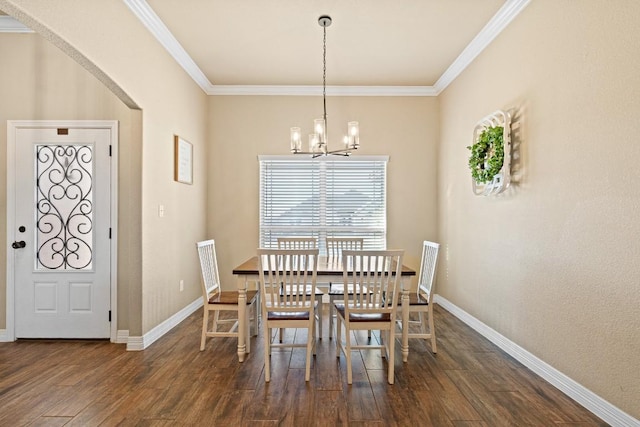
pixel 109 35
pixel 553 263
pixel 39 82
pixel 243 127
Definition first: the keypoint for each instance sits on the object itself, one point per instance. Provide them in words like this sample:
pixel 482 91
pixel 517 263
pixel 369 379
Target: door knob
pixel 19 245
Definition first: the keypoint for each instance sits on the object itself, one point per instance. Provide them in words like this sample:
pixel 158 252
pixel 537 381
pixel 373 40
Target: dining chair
pixel 335 246
pixel 296 243
pixel 296 271
pixel 422 301
pixel 374 276
pixel 216 300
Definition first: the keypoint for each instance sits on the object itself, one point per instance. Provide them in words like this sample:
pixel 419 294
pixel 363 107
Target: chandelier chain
pixel 324 74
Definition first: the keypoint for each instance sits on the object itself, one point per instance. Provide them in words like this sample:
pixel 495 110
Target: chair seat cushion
pixel 418 300
pixel 231 297
pixel 287 315
pixel 363 317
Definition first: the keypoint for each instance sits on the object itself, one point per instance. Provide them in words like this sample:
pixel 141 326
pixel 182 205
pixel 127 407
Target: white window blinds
pixel 323 197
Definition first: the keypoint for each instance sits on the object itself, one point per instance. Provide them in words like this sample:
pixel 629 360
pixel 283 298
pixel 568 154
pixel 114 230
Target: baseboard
pixel 135 344
pixel 122 336
pixel 592 402
pixel 140 343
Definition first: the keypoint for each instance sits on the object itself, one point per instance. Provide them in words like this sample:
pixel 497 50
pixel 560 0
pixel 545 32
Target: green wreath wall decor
pixel 487 154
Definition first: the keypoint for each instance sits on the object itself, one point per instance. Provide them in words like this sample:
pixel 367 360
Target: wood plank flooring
pixel 470 382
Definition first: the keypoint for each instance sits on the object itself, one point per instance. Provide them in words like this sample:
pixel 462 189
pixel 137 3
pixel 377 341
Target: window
pixel 323 197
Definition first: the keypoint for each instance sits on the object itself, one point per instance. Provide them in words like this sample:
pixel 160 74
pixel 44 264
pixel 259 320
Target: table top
pixel 326 267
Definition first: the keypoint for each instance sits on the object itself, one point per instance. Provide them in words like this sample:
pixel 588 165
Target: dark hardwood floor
pixel 470 382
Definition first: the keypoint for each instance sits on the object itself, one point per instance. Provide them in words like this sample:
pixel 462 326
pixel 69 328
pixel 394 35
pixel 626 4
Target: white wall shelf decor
pixel 502 179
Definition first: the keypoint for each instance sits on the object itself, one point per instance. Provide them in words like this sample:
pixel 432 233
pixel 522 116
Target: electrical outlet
pixel 161 211
pixel 181 285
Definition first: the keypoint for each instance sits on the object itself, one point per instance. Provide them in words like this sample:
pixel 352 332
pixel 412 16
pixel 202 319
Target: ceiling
pixel 374 47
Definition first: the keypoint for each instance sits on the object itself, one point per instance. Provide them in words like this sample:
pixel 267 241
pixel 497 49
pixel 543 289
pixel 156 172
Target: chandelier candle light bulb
pixel 313 142
pixel 296 140
pixel 320 127
pixel 354 135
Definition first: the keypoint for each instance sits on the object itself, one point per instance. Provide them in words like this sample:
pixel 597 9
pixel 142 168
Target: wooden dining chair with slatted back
pixel 375 276
pixel 295 243
pixel 216 300
pixel 335 246
pixel 421 302
pixel 296 270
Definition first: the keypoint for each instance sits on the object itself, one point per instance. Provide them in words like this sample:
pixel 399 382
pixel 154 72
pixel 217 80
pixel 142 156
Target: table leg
pixel 405 320
pixel 242 316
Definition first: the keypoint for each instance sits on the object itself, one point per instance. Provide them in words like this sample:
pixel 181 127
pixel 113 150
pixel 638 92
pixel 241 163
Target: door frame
pixel 12 127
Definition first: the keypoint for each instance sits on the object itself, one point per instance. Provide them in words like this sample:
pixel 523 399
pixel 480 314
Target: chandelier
pixel 318 141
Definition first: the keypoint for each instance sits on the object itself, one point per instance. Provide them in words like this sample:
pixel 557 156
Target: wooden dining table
pixel 329 270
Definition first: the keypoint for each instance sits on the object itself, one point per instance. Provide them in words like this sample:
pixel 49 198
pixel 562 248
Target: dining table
pixel 329 269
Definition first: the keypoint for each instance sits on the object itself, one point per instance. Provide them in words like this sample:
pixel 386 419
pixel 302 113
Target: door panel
pixel 62 271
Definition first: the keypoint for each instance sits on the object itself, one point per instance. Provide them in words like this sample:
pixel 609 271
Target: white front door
pixel 61 237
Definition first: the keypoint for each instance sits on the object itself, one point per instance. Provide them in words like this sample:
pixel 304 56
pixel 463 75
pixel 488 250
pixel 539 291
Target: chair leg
pixel 320 314
pixel 315 348
pixel 338 335
pixel 423 322
pixel 432 330
pixel 205 322
pixel 258 313
pixel 310 348
pixel 391 358
pixel 315 340
pixel 256 323
pixel 216 317
pixel 347 337
pixel 267 352
pixel 331 313
pixel 247 329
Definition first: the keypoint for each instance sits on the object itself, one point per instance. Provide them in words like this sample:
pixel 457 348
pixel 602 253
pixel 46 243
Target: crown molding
pixel 11 25
pixel 154 24
pixel 291 90
pixel 509 10
pixel 141 9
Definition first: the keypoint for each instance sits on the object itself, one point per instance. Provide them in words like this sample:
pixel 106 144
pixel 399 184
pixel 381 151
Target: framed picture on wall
pixel 183 161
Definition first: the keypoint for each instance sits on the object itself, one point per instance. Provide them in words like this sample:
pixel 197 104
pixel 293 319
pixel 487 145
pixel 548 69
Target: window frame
pixel 377 235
